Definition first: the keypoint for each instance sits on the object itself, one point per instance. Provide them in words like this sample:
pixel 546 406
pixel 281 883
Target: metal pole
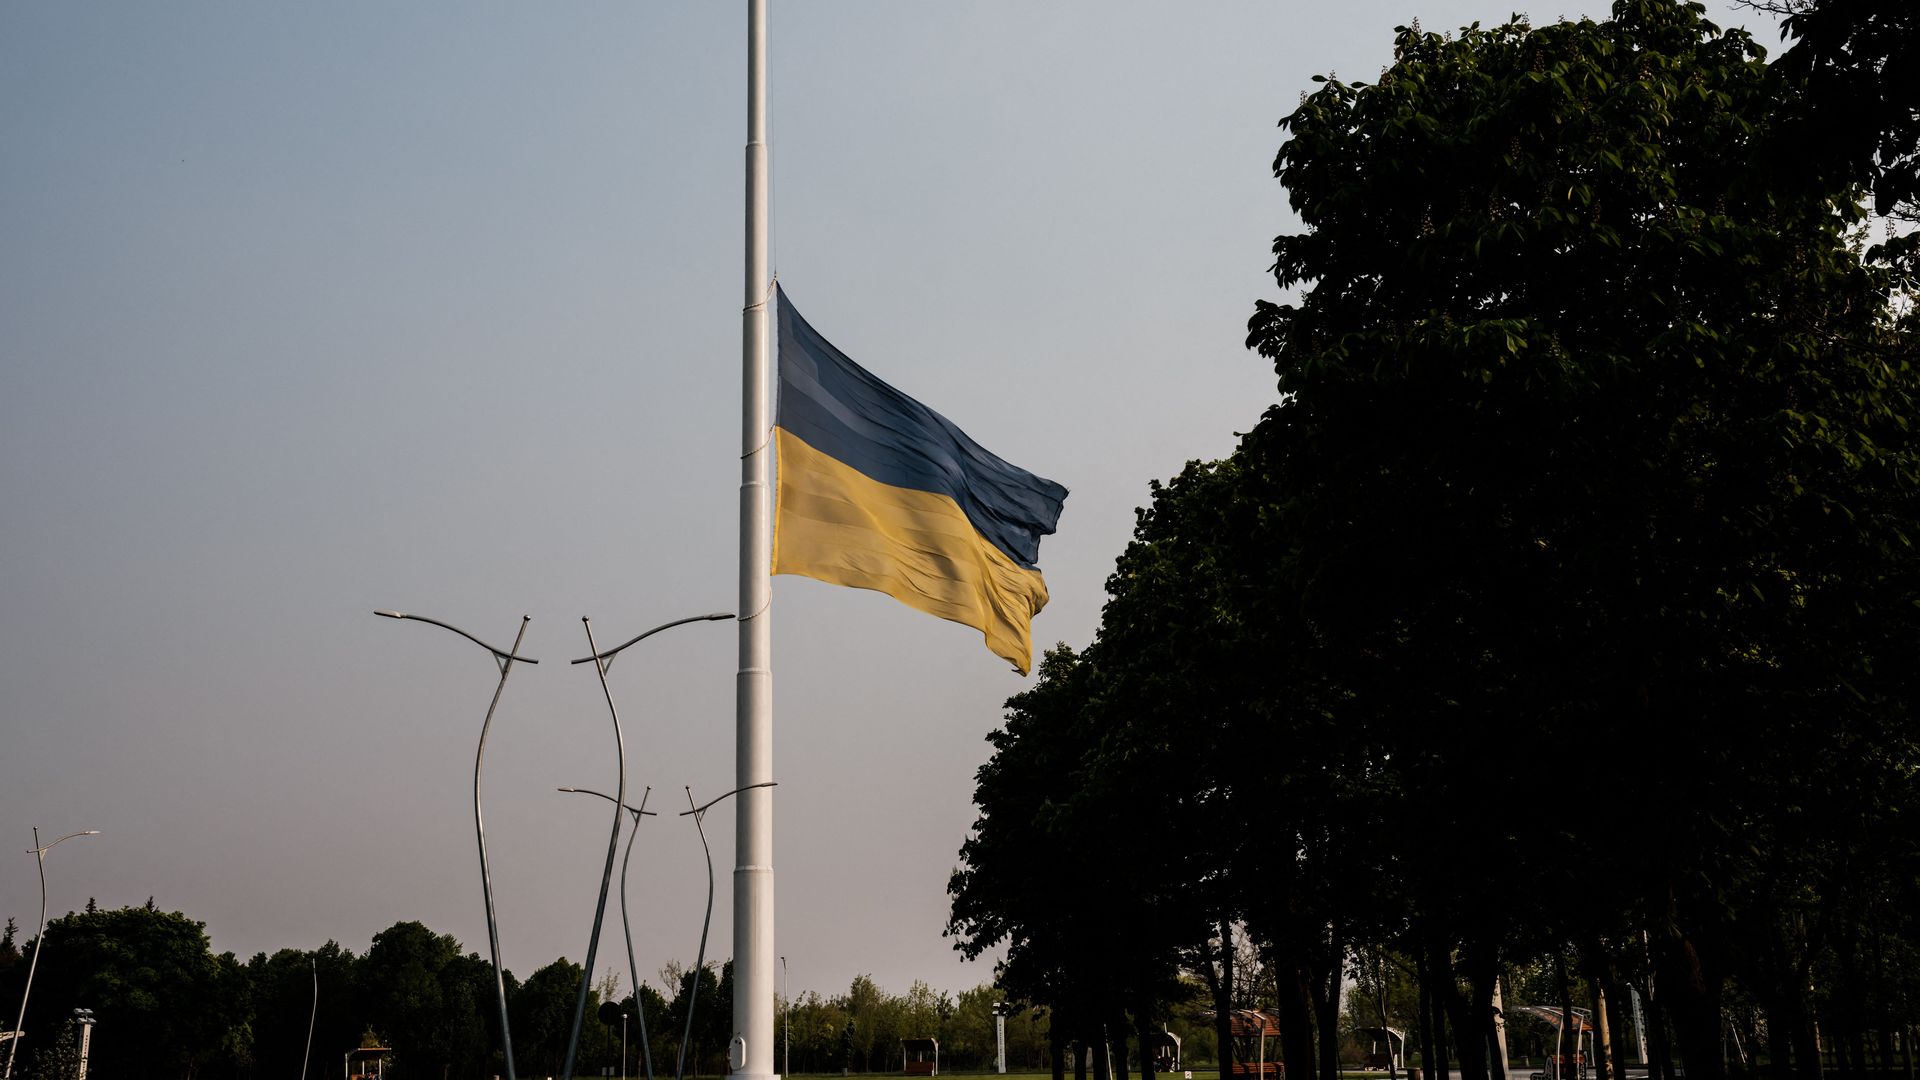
pixel 602 661
pixel 486 869
pixel 753 924
pixel 39 938
pixel 315 1013
pixel 786 1023
pixel 633 972
pixel 613 847
pixel 626 927
pixel 700 957
pixel 504 661
pixel 698 813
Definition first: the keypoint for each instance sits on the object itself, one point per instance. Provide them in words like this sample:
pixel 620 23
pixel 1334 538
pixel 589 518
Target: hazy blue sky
pixel 308 310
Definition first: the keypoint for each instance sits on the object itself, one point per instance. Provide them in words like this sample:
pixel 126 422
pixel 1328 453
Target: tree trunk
pixel 1806 1040
pixel 1380 1003
pixel 1566 1048
pixel 1659 1047
pixel 1143 1022
pixel 1296 1022
pixel 1057 1044
pixel 1222 986
pixel 1780 1024
pixel 1326 1002
pixel 1483 979
pixel 1467 1044
pixel 1079 1059
pixel 1693 1000
pixel 1433 1039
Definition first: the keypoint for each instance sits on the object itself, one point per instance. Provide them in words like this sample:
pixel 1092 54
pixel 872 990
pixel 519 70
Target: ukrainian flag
pixel 877 491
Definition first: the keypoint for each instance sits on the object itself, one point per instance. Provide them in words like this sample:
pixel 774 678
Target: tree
pixel 427 1000
pixel 702 992
pixel 1576 552
pixel 1594 455
pixel 654 1007
pixel 1857 60
pixel 542 1016
pixel 58 1060
pixel 1053 865
pixel 132 966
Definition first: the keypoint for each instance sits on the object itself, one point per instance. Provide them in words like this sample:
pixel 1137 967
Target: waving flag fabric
pixel 877 491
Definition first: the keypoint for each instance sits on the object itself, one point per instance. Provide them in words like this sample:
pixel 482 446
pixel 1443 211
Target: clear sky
pixel 307 310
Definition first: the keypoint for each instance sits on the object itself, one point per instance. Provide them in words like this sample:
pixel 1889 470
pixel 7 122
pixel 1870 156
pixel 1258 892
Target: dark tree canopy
pixel 1860 64
pixel 1567 593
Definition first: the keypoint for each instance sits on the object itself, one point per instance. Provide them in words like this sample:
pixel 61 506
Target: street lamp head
pixel 390 614
pixel 607 656
pixel 41 851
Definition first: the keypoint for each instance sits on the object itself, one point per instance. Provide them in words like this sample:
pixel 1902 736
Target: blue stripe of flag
pixel 842 410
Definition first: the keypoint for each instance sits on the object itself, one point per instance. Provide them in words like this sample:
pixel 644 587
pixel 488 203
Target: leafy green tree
pixel 1861 72
pixel 709 996
pixel 284 1001
pixel 133 967
pixel 1034 873
pixel 1594 463
pixel 653 1006
pixel 10 971
pixel 542 1015
pixel 427 998
pixel 58 1060
pixel 1576 552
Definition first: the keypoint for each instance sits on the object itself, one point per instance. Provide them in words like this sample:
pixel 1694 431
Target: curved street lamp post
pixel 698 813
pixel 601 662
pixel 39 853
pixel 504 660
pixel 626 927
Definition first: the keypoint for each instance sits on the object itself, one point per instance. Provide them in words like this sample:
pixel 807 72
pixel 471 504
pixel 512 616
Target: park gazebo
pixel 1394 1055
pixel 1250 1029
pixel 920 1057
pixel 365 1063
pixel 1572 1047
pixel 1164 1046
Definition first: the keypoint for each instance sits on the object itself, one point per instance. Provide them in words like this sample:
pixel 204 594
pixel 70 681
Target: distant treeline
pixel 166 1005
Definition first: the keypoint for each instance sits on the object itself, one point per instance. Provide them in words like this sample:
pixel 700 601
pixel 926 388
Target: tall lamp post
pixel 39 853
pixel 698 813
pixel 601 662
pixel 626 927
pixel 786 1023
pixel 503 660
pixel 313 1015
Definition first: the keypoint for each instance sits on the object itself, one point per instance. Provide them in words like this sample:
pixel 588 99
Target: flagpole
pixel 750 1051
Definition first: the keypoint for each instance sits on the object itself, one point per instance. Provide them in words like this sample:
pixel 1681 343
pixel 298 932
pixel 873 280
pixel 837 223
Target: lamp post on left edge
pixel 39 853
pixel 504 660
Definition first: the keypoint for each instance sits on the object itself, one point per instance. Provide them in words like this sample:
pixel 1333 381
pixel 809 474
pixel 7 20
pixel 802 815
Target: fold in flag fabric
pixel 877 491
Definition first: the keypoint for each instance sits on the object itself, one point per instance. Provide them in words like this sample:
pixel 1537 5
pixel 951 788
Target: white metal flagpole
pixel 750 1052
